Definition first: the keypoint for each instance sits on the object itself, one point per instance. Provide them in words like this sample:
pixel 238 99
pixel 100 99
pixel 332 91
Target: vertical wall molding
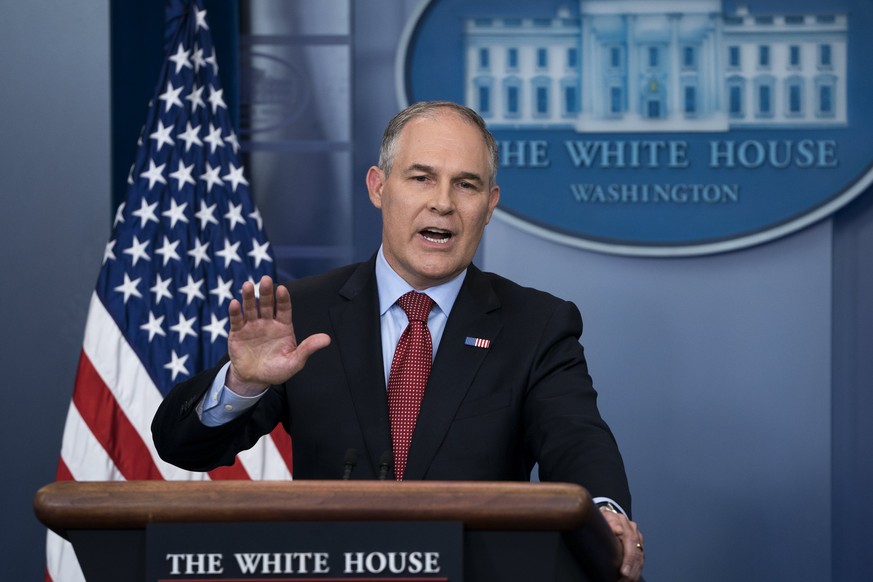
pixel 852 406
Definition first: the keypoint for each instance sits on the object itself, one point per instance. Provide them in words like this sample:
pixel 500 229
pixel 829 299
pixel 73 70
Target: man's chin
pixel 432 274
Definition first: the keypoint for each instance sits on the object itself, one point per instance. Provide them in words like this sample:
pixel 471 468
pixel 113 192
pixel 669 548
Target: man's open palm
pixel 262 345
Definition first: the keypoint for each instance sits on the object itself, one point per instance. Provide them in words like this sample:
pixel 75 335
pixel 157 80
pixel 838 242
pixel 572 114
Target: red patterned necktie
pixel 409 371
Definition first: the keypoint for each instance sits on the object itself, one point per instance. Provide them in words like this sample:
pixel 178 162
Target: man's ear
pixel 494 198
pixel 375 183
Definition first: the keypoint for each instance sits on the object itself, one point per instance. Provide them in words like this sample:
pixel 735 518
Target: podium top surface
pixel 69 505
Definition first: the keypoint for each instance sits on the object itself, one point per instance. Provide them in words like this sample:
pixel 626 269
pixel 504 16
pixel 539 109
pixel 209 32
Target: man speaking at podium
pixel 420 363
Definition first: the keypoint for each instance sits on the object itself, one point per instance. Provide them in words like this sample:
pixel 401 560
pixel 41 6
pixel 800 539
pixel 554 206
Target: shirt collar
pixel 391 287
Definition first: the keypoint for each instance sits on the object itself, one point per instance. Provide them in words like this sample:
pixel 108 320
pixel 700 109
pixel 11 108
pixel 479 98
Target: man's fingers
pixel 258 304
pixel 311 345
pixel 249 303
pixel 615 521
pixel 265 297
pixel 283 305
pixel 631 542
pixel 234 311
pixel 632 565
pixel 634 552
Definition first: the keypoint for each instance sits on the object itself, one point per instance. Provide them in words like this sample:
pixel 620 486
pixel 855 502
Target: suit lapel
pixel 358 337
pixel 475 314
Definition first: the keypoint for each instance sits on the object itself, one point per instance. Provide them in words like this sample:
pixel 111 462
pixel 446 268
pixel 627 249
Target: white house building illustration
pixel 657 65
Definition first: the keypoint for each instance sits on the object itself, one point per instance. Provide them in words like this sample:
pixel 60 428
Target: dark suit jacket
pixel 487 413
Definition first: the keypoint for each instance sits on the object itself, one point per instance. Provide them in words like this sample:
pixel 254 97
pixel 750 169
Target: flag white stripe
pixel 264 462
pixel 61 561
pixel 127 379
pixel 87 461
pixel 83 454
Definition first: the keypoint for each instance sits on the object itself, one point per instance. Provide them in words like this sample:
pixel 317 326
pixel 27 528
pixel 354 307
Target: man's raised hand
pixel 262 345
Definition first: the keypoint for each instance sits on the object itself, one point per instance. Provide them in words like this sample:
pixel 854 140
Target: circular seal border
pixel 637 250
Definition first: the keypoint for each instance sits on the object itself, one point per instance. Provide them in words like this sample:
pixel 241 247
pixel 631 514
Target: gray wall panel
pixel 54 184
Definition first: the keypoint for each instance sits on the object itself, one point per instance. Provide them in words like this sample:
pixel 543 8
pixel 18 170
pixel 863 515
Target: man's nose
pixel 441 201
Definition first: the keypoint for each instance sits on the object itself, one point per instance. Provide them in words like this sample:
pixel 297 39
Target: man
pixel 507 384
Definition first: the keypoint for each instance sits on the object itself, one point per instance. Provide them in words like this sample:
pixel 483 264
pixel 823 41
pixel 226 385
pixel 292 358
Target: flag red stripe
pixel 110 426
pixel 63 473
pixel 282 441
pixel 235 472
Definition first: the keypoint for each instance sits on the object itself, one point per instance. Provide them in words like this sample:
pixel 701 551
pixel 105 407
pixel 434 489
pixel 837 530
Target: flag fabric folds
pixel 183 242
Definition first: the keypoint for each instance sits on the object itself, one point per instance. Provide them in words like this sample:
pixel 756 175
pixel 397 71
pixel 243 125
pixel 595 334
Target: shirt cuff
pixel 221 405
pixel 598 501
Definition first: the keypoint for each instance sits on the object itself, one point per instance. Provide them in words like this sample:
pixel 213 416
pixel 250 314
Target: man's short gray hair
pixel 431 109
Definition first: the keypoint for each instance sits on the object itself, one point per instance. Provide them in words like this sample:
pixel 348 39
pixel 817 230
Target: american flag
pixel 183 242
pixel 477 342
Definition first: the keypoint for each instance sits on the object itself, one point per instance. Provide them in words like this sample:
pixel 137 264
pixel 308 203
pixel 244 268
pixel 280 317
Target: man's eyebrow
pixel 472 176
pixel 420 168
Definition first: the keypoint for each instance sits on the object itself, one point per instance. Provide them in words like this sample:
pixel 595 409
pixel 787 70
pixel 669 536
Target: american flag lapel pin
pixel 477 342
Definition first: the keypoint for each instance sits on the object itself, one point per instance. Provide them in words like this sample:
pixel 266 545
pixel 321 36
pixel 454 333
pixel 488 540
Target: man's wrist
pixel 240 387
pixel 220 404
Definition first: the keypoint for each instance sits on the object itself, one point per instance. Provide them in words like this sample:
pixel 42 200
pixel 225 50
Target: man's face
pixel 436 201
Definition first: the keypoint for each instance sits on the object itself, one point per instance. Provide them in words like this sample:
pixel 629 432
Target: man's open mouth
pixel 436 235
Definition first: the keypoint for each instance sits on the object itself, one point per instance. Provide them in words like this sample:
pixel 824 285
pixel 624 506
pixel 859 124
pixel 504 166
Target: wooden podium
pixel 512 531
